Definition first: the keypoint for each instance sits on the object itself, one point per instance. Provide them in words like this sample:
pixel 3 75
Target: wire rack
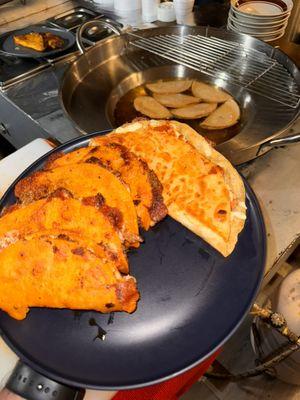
pixel 227 60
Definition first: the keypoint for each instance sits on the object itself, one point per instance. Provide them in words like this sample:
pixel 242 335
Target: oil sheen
pixel 125 112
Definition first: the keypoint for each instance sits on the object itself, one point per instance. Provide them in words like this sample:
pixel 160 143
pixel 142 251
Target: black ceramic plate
pixel 8 45
pixel 192 300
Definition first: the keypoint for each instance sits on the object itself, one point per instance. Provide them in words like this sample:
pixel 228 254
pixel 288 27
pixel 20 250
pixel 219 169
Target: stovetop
pixel 38 98
pixel 15 69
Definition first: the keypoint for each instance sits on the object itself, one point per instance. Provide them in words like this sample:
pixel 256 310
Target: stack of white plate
pixel 263 19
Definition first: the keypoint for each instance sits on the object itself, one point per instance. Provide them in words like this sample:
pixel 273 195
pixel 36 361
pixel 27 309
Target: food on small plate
pixel 148 106
pixel 59 273
pixel 145 188
pixel 39 41
pixel 94 185
pixel 32 40
pixel 194 111
pixel 170 87
pixel 175 100
pixel 201 189
pixel 62 215
pixel 224 116
pixel 209 93
pixel 53 41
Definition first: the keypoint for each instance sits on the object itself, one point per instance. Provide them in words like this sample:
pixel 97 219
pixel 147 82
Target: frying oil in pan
pixel 125 112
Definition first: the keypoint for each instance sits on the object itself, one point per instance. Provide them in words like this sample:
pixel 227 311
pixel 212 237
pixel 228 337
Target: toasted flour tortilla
pixel 148 106
pixel 175 100
pixel 194 111
pixel 209 93
pixel 224 116
pixel 167 87
pixel 201 189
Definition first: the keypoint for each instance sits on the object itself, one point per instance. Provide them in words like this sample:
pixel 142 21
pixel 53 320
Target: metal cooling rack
pixel 246 67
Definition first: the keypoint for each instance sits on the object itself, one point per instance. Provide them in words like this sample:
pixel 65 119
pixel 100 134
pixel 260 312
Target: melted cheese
pixel 130 128
pixel 238 214
pixel 191 183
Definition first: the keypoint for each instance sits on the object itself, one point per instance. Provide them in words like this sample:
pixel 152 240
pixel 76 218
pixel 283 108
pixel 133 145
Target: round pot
pixel 96 81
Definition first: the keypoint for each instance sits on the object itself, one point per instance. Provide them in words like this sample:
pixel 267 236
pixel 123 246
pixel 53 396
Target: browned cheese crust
pixel 59 273
pixel 83 181
pixel 39 41
pixel 145 188
pixel 62 216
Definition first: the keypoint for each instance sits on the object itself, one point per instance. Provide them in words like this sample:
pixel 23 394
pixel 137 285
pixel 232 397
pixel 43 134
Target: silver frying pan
pixel 264 81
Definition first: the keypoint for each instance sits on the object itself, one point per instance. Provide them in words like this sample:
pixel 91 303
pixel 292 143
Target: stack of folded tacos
pixel 64 243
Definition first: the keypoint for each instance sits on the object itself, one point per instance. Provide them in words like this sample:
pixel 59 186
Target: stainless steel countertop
pixel 274 177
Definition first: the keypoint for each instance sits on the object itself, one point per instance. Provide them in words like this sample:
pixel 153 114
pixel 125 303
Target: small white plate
pixel 273 38
pixel 254 23
pixel 262 9
pixel 255 33
pixel 261 30
pixel 270 38
pixel 269 28
pixel 259 19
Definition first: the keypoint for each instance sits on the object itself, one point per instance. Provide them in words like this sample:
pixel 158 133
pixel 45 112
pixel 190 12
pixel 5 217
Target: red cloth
pixel 168 390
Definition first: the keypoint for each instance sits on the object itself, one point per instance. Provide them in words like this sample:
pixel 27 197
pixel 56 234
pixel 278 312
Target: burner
pixel 14 69
pixel 73 18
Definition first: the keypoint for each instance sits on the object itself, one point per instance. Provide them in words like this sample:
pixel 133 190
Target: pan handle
pixel 90 24
pixel 279 142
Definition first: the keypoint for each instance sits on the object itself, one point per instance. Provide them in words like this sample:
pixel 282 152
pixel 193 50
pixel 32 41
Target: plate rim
pixel 250 24
pixel 289 6
pixel 258 35
pixel 279 3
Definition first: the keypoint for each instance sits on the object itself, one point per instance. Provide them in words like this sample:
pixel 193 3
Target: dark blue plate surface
pixel 192 300
pixel 9 47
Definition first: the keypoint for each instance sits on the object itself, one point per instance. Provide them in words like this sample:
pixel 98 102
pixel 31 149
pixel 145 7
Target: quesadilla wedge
pixel 176 86
pixel 62 216
pixel 194 111
pixel 224 116
pixel 59 273
pixel 148 106
pixel 145 188
pixel 86 181
pixel 176 100
pixel 201 188
pixel 209 93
